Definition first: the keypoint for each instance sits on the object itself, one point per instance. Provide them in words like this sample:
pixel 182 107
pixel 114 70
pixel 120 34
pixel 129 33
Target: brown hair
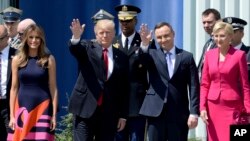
pixel 213 11
pixel 43 52
pixel 161 24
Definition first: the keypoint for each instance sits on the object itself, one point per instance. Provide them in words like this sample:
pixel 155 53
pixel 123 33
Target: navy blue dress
pixel 34 106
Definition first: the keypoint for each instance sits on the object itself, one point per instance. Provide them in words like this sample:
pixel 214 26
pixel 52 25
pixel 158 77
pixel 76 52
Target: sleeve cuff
pixel 193 115
pixel 144 48
pixel 74 41
pixel 123 119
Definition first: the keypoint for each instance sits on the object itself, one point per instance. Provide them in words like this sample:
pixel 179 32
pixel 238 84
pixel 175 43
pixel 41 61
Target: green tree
pixel 65 126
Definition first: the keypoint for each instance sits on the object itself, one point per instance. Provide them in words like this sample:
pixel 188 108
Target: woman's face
pixel 34 40
pixel 222 38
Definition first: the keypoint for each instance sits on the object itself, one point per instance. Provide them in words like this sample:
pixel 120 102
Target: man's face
pixel 128 26
pixel 11 28
pixel 105 33
pixel 237 37
pixel 165 37
pixel 208 22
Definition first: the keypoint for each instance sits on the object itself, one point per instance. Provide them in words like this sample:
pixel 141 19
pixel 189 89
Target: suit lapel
pixel 244 48
pixel 228 58
pixel 215 62
pixel 135 44
pixel 11 54
pixel 96 58
pixel 115 60
pixel 213 45
pixel 178 56
pixel 162 63
pixel 97 49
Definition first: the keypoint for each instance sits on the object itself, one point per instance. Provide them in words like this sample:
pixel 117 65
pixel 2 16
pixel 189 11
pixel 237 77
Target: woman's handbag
pixel 241 117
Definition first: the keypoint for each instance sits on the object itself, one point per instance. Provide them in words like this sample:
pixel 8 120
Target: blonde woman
pixel 224 84
pixel 33 96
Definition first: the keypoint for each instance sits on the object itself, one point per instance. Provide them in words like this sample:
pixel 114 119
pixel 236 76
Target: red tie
pixel 106 62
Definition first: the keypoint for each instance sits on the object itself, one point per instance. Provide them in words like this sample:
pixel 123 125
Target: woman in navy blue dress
pixel 33 96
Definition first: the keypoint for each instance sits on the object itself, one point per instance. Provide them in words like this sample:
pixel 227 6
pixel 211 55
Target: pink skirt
pixel 220 117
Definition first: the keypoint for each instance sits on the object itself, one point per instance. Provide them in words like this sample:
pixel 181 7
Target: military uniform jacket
pixel 137 74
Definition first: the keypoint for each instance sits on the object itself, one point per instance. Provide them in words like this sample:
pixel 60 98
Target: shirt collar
pixel 5 50
pixel 238 46
pixel 172 51
pixel 130 38
pixel 109 48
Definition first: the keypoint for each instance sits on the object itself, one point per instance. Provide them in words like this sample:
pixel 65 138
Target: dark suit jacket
pixel 12 52
pixel 138 83
pixel 204 50
pixel 91 82
pixel 185 77
pixel 246 49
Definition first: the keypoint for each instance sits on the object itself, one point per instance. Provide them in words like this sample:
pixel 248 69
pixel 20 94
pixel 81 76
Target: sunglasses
pixel 20 34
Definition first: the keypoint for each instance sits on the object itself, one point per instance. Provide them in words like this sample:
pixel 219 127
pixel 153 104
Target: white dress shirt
pixel 4 69
pixel 110 60
pixel 238 46
pixel 130 39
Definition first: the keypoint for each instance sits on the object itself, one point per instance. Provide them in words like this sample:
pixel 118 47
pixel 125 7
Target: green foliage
pixel 65 127
pixel 194 139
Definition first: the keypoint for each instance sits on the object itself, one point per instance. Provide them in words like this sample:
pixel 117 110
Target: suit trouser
pixel 99 127
pixel 134 130
pixel 4 119
pixel 166 128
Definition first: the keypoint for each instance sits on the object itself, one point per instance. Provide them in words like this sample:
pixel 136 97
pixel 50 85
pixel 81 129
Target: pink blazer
pixel 229 82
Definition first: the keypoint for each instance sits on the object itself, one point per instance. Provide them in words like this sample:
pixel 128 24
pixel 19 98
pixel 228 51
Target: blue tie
pixel 170 64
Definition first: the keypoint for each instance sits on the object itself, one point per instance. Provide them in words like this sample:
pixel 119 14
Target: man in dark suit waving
pixel 99 98
pixel 173 87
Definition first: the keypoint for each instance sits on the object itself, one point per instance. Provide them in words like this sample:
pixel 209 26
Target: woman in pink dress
pixel 224 85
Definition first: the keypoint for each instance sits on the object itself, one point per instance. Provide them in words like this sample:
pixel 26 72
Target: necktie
pixel 106 61
pixel 209 44
pixel 170 64
pixel 126 44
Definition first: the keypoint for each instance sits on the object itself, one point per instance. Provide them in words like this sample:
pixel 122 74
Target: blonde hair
pixel 23 52
pixel 222 25
pixel 104 23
